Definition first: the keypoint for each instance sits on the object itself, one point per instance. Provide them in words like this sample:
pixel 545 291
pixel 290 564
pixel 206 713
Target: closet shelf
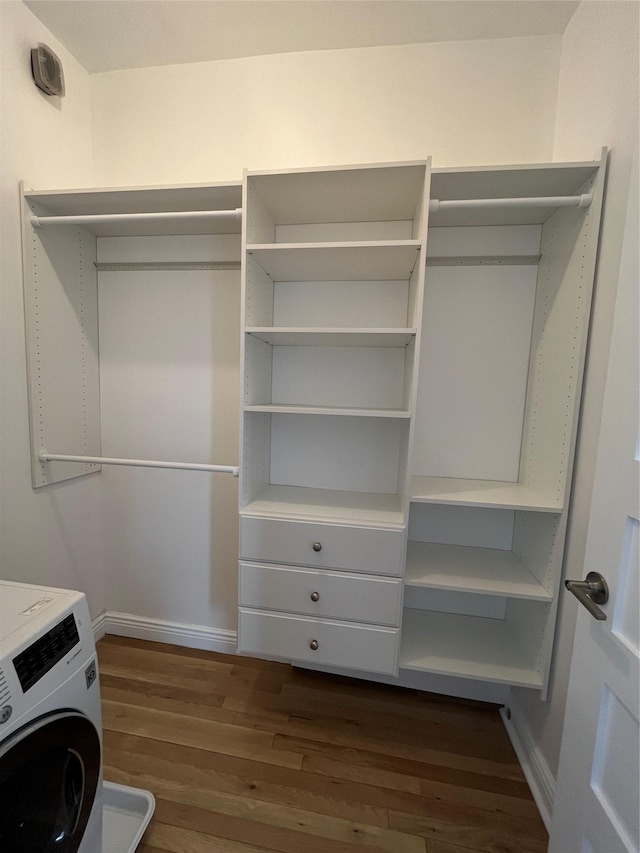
pixel 368 509
pixel 540 187
pixel 140 211
pixel 471 647
pixel 488 493
pixel 340 194
pixel 337 337
pixel 484 571
pixel 361 261
pixel 345 411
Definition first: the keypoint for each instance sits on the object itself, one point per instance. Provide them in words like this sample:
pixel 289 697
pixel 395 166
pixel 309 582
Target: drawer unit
pixel 322 641
pixel 320 592
pixel 357 549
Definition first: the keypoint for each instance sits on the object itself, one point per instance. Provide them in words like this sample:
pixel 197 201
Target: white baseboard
pixel 535 768
pixel 98 625
pixel 160 631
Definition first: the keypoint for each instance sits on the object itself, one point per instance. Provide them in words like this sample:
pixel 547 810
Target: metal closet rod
pixel 102 218
pixel 584 200
pixel 44 456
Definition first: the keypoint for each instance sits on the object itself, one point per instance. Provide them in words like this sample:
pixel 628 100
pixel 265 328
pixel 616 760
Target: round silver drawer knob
pixel 317 546
pixel 315 596
pixel 313 645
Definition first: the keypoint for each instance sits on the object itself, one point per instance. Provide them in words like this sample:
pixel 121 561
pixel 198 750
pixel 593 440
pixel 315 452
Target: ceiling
pixel 107 35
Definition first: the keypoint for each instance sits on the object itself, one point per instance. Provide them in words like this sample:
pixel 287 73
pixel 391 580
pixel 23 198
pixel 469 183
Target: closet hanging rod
pixel 102 218
pixel 44 456
pixel 584 200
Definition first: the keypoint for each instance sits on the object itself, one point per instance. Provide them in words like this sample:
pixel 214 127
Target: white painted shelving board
pixel 361 378
pixel 342 194
pixel 550 179
pixel 164 200
pixel 363 508
pixel 443 490
pixel 139 199
pixel 486 571
pixel 338 304
pixel 297 336
pixel 362 261
pixel 474 362
pixel 329 410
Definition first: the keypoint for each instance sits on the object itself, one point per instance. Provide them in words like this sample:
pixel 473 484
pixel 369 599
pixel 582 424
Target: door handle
pixel 591 592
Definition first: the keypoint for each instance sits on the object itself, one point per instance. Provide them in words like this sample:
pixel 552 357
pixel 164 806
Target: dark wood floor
pixel 245 755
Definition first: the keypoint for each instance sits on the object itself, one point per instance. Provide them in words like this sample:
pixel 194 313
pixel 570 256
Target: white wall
pixel 169 377
pixel 49 536
pixel 597 104
pixel 462 103
pixel 171 545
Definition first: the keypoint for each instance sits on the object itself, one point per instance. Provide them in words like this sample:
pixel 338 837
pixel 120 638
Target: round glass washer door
pixel 49 774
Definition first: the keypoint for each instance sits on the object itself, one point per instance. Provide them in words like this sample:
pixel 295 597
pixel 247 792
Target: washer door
pixel 49 773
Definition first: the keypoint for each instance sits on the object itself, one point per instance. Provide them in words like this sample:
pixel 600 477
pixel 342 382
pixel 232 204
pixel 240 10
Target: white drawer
pixel 323 641
pixel 373 550
pixel 320 592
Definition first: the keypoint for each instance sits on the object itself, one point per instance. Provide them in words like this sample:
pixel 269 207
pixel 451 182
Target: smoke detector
pixel 47 70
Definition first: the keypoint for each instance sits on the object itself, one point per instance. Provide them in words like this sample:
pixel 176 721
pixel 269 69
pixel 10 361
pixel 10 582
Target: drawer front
pixel 320 592
pixel 323 641
pixel 358 549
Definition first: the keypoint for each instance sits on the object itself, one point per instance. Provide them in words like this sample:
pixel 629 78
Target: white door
pixel 597 802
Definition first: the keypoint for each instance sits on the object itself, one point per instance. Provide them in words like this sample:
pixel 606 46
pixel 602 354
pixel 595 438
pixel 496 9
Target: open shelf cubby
pixel 318 459
pixel 485 571
pixel 338 204
pixel 474 647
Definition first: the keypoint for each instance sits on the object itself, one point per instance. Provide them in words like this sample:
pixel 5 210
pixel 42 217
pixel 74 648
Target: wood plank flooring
pixel 248 756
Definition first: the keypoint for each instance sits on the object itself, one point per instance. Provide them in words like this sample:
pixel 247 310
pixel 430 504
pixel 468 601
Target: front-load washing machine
pixel 50 723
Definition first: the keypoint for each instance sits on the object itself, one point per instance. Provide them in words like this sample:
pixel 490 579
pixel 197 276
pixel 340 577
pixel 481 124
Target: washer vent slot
pixel 5 693
pixel 41 656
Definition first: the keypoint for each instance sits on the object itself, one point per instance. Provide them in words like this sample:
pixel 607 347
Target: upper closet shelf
pixel 488 493
pixel 197 209
pixel 359 261
pixel 520 195
pixel 346 194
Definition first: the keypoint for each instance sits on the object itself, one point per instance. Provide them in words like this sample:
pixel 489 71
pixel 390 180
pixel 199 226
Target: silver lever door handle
pixel 591 592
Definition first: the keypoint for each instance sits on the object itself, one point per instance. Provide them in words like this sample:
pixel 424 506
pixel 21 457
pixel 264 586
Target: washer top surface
pixel 23 604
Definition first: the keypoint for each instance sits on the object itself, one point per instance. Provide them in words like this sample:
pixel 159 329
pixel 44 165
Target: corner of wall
pixel 534 766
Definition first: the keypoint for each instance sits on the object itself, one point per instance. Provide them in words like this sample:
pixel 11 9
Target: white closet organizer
pixel 408 418
pixel 497 353
pixel 60 283
pixel 333 280
pixel 504 333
